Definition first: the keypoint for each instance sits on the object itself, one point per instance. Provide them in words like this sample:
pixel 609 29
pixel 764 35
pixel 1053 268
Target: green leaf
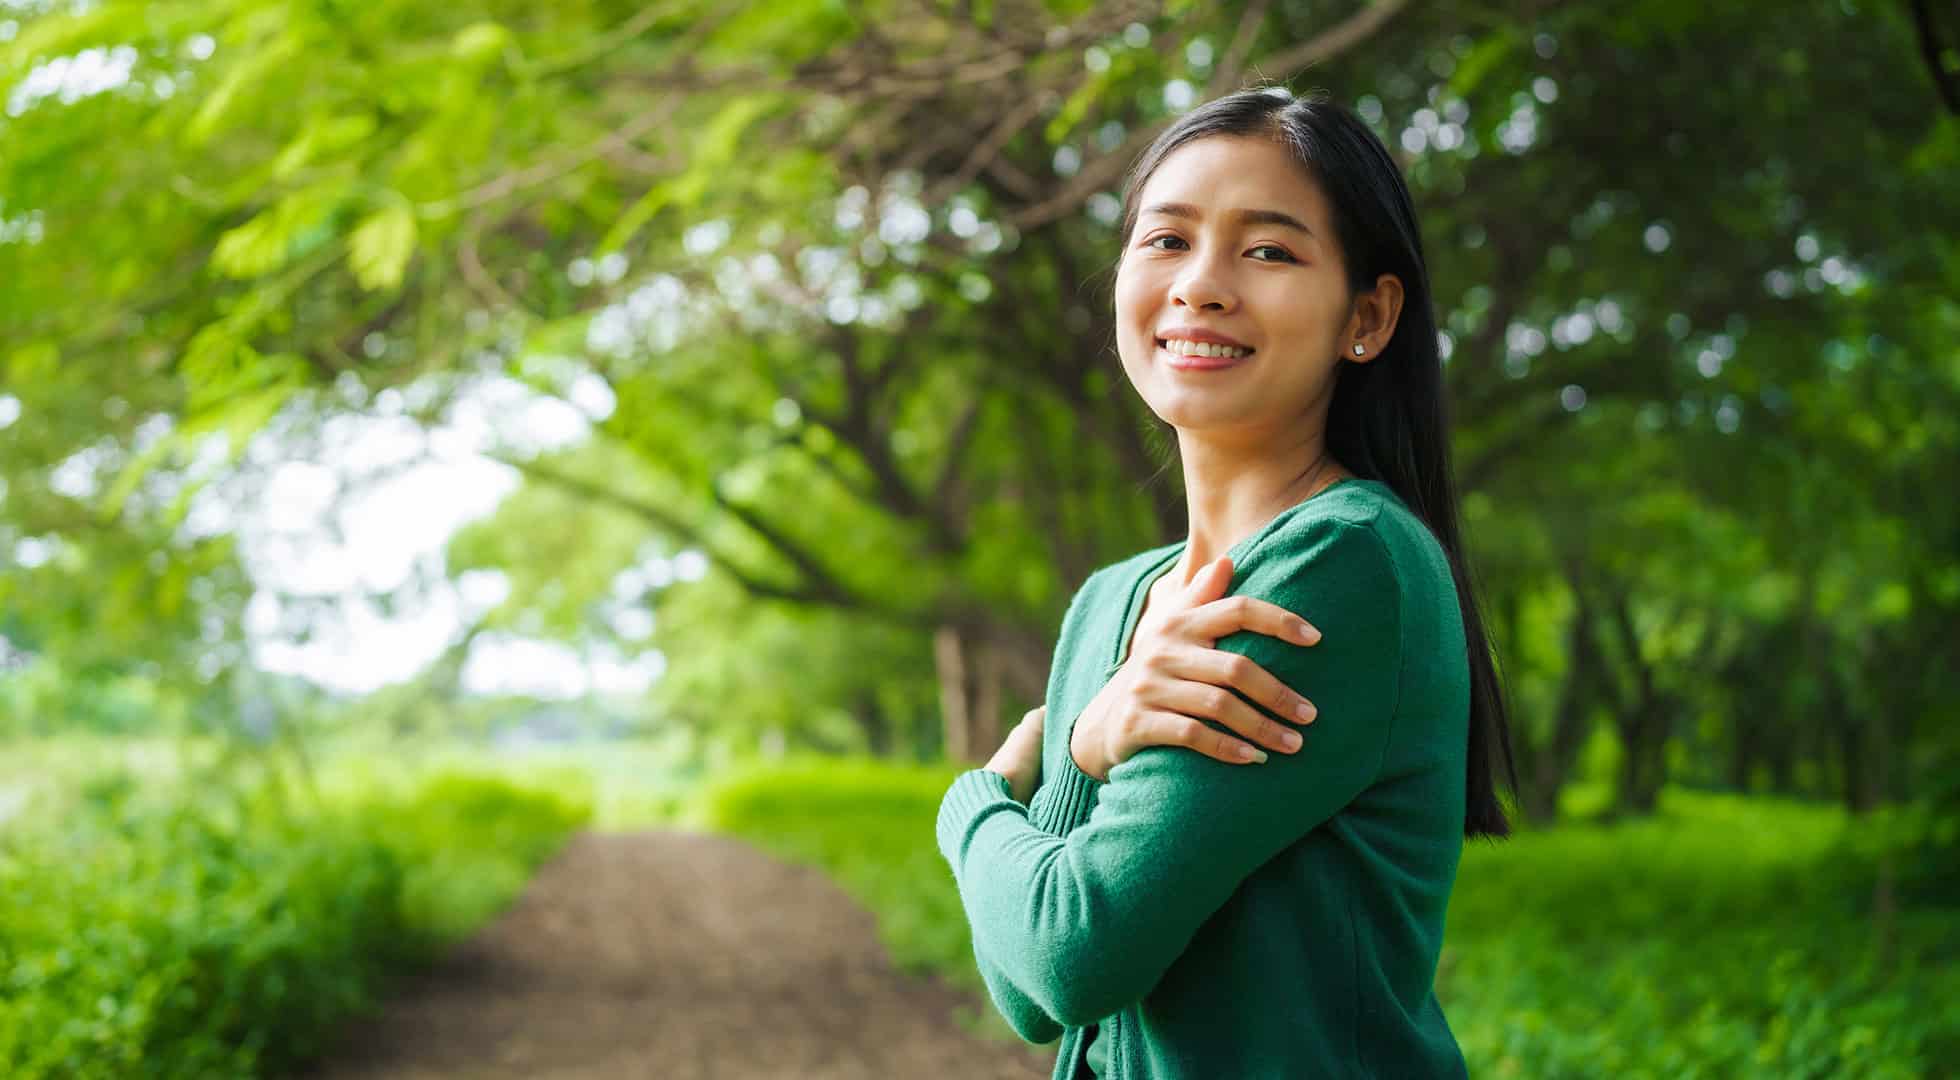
pixel 132 474
pixel 51 35
pixel 480 42
pixel 636 217
pixel 714 154
pixel 1486 56
pixel 380 247
pixel 323 136
pixel 211 115
pixel 268 241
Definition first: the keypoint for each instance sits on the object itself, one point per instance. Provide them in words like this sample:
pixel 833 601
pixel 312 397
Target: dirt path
pixel 672 955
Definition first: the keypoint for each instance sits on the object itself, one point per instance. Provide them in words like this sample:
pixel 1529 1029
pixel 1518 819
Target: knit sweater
pixel 1194 918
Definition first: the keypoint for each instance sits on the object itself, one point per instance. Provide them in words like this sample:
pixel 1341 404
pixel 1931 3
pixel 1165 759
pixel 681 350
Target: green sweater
pixel 1193 918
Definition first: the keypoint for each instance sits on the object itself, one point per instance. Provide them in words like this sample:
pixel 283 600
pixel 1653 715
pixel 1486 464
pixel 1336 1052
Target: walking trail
pixel 677 956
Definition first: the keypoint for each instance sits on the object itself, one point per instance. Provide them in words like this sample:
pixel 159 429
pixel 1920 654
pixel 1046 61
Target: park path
pixel 678 956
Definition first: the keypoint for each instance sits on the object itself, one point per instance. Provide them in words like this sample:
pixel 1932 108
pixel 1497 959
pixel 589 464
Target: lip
pixel 1181 362
pixel 1199 333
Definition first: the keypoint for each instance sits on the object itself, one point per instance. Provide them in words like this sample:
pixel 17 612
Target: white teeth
pixel 1200 348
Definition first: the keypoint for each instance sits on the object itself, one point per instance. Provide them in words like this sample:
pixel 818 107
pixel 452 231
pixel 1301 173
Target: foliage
pixel 1724 937
pixel 833 273
pixel 219 926
pixel 1738 931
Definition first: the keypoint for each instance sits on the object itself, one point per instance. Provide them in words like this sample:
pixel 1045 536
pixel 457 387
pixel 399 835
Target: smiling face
pixel 1233 237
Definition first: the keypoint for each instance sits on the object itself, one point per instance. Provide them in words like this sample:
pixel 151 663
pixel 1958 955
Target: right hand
pixel 1173 675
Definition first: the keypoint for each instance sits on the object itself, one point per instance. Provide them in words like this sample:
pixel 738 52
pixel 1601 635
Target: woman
pixel 1274 734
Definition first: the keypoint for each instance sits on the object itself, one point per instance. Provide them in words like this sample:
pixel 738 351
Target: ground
pixel 675 955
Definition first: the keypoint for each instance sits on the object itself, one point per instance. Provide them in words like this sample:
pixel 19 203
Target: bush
pixel 204 930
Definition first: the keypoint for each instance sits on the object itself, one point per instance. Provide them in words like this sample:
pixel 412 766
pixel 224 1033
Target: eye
pixel 1283 255
pixel 1152 242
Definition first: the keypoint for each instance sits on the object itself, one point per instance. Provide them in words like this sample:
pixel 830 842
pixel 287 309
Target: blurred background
pixel 435 434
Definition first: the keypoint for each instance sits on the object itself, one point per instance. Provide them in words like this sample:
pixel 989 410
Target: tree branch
pixel 1100 172
pixel 670 523
pixel 1932 51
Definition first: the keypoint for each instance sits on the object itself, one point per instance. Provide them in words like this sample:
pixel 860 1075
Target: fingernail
pixel 1291 739
pixel 1305 711
pixel 1251 753
pixel 1305 632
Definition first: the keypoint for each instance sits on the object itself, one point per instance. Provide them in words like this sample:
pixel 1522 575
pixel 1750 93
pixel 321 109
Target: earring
pixel 1358 350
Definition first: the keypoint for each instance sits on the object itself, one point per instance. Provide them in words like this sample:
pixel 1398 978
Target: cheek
pixel 1133 292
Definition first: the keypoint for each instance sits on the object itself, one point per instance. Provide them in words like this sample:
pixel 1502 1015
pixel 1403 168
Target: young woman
pixel 1273 735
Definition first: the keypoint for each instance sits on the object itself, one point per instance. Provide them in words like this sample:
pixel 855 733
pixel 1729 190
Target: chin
pixel 1199 412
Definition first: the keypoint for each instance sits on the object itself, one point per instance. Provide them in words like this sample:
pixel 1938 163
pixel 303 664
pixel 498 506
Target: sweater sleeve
pixel 1087 924
pixel 1028 1019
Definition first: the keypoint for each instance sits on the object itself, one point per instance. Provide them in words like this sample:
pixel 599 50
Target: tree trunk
pixel 877 727
pixel 970 670
pixel 1552 765
pixel 1643 768
pixel 1851 731
pixel 949 659
pixel 1644 724
pixel 1742 755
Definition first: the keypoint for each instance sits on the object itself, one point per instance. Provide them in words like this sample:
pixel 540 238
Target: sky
pixel 329 513
pixel 376 501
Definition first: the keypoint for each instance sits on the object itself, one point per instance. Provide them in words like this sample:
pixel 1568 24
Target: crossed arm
pixel 1068 930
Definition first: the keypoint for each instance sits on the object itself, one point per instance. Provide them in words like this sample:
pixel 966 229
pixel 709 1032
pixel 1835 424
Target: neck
pixel 1232 489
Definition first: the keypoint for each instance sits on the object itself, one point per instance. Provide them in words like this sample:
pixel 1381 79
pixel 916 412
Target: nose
pixel 1200 285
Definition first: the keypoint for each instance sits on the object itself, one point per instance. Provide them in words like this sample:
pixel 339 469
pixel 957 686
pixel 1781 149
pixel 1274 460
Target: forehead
pixel 1231 172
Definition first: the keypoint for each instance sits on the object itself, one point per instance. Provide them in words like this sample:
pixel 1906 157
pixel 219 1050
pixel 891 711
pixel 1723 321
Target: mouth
pixel 1187 362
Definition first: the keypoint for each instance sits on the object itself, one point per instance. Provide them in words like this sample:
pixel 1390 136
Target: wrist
pixel 1081 750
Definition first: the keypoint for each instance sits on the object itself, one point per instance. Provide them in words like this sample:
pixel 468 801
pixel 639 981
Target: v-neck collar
pixel 1151 572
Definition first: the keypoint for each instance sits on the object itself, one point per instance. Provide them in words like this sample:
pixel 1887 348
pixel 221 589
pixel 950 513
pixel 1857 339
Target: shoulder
pixel 1343 524
pixel 1363 526
pixel 1334 559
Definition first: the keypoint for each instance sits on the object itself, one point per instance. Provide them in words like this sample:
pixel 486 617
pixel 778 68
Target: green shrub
pixel 212 930
pixel 467 844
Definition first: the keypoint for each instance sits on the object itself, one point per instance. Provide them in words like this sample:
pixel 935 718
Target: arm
pixel 1028 1019
pixel 1087 924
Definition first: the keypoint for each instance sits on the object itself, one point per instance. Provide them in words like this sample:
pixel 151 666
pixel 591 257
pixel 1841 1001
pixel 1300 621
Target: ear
pixel 1372 320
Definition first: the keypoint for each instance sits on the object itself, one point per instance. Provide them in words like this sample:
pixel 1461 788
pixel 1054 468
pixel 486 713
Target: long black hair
pixel 1387 420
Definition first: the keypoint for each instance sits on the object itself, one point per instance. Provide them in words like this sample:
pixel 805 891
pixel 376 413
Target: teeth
pixel 1200 348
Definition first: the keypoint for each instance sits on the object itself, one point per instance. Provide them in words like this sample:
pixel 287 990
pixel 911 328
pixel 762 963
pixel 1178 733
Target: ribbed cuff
pixel 971 792
pixel 1075 790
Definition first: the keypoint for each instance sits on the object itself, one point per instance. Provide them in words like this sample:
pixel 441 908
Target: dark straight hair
pixel 1387 420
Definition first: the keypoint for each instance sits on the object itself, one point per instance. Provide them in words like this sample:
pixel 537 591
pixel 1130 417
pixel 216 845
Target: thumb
pixel 1212 581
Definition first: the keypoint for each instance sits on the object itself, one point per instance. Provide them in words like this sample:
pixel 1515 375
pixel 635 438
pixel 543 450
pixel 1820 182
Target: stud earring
pixel 1358 350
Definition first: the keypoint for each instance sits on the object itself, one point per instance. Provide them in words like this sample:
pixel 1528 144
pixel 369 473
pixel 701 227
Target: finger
pixel 1255 682
pixel 1230 669
pixel 1210 582
pixel 1211 621
pixel 1201 699
pixel 1159 728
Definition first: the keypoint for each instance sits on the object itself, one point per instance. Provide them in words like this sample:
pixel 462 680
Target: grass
pixel 167 910
pixel 1724 937
pixel 217 916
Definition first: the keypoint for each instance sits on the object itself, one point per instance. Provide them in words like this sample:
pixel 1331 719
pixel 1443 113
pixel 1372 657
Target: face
pixel 1234 238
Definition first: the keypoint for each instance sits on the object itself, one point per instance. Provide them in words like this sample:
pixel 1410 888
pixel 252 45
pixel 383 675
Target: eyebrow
pixel 1249 217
